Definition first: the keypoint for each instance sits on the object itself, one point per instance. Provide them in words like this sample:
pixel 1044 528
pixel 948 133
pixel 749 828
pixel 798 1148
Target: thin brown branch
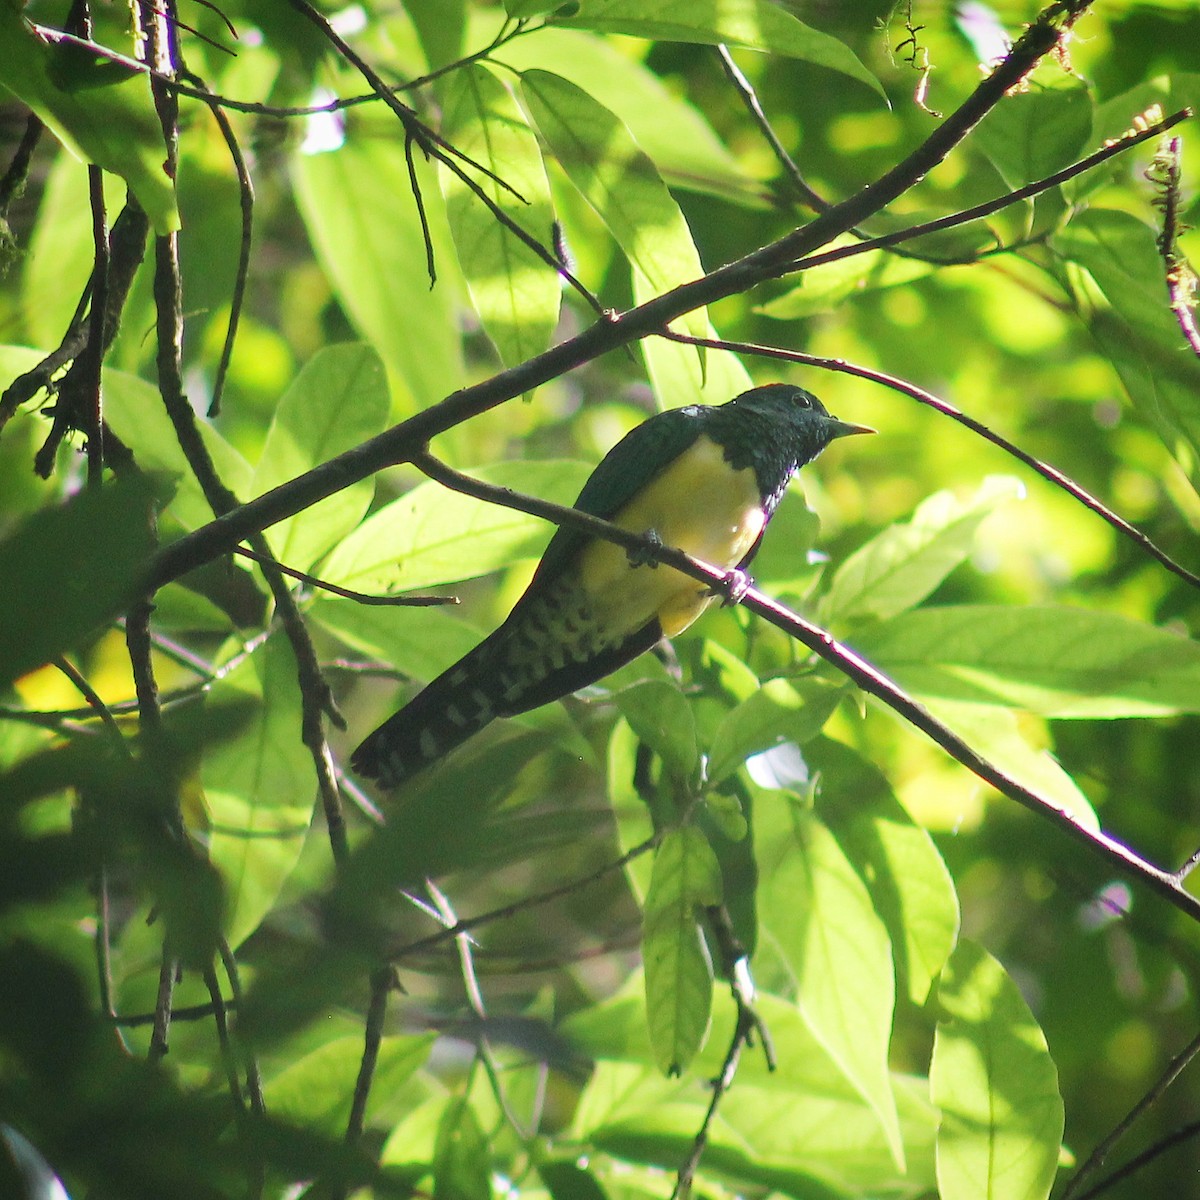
pixel 612 332
pixel 1105 1147
pixel 744 1028
pixel 94 351
pixel 1167 172
pixel 525 904
pixel 1147 1156
pixel 749 98
pixel 1129 139
pixel 253 1074
pixel 842 658
pixel 347 593
pixel 1045 470
pixel 12 182
pixel 246 202
pixel 383 980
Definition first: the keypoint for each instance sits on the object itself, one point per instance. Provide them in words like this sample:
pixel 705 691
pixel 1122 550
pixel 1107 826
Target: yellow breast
pixel 699 504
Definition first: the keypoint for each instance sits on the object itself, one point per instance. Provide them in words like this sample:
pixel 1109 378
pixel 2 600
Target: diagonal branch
pixel 611 332
pixel 840 656
pixel 1045 470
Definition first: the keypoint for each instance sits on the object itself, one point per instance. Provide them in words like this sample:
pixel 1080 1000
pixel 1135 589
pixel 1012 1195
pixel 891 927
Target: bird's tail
pixel 453 708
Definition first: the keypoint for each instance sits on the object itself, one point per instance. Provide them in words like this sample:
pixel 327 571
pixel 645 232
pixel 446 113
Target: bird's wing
pixel 633 462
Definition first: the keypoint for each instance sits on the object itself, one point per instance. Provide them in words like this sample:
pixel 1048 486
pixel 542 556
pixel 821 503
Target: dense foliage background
pixel 225 970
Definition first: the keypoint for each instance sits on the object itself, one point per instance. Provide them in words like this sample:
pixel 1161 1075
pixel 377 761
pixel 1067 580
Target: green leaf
pixel 317 1089
pixel 68 571
pixel 676 135
pixel 419 642
pixel 801 1130
pixel 997 1087
pixel 678 969
pixel 899 567
pixel 516 294
pixel 817 917
pixel 112 125
pixel 339 399
pixel 567 1181
pixel 1123 298
pixel 995 734
pixel 358 207
pixel 1035 132
pixel 461 1162
pixel 634 822
pixel 910 886
pixel 621 184
pixel 134 411
pixel 440 24
pixel 258 788
pixel 433 536
pixel 780 711
pixel 662 718
pixel 755 24
pixel 1055 661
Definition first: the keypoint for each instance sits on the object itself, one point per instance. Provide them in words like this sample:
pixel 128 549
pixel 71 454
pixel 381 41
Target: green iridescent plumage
pixel 704 478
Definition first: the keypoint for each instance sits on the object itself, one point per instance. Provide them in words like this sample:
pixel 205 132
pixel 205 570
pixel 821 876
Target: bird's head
pixel 798 411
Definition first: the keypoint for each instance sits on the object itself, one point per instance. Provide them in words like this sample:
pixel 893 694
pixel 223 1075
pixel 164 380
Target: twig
pixel 399 443
pixel 94 351
pixel 348 593
pixel 253 1074
pixel 1129 139
pixel 433 145
pixel 246 202
pixel 12 183
pixel 466 963
pixel 743 1033
pixel 1096 1159
pixel 383 979
pixel 1045 470
pixel 1167 173
pixel 843 659
pixel 213 984
pixel 466 924
pixel 749 98
pixel 159 1033
pixel 1134 1165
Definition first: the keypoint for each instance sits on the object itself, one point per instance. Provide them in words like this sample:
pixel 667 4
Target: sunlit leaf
pixel 997 1087
pixel 909 884
pixel 816 916
pixel 515 292
pixel 679 982
pixel 359 210
pixel 619 181
pixel 899 567
pixel 259 789
pixel 755 24
pixel 432 536
pixel 780 711
pixel 339 399
pixel 1055 661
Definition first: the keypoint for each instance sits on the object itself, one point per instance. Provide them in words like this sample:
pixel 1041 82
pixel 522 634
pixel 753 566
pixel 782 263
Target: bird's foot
pixel 733 588
pixel 645 557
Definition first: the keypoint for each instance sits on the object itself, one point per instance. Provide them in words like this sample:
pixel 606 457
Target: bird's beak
pixel 845 428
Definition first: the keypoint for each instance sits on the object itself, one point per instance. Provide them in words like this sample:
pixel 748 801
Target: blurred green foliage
pixel 863 872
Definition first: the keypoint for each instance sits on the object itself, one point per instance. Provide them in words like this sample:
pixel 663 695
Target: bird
pixel 703 478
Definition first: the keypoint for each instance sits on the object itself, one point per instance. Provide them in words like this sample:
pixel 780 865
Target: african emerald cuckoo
pixel 704 479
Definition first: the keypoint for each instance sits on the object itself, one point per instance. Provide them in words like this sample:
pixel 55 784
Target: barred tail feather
pixel 453 708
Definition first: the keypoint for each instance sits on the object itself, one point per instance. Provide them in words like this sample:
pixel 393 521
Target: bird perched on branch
pixel 704 479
